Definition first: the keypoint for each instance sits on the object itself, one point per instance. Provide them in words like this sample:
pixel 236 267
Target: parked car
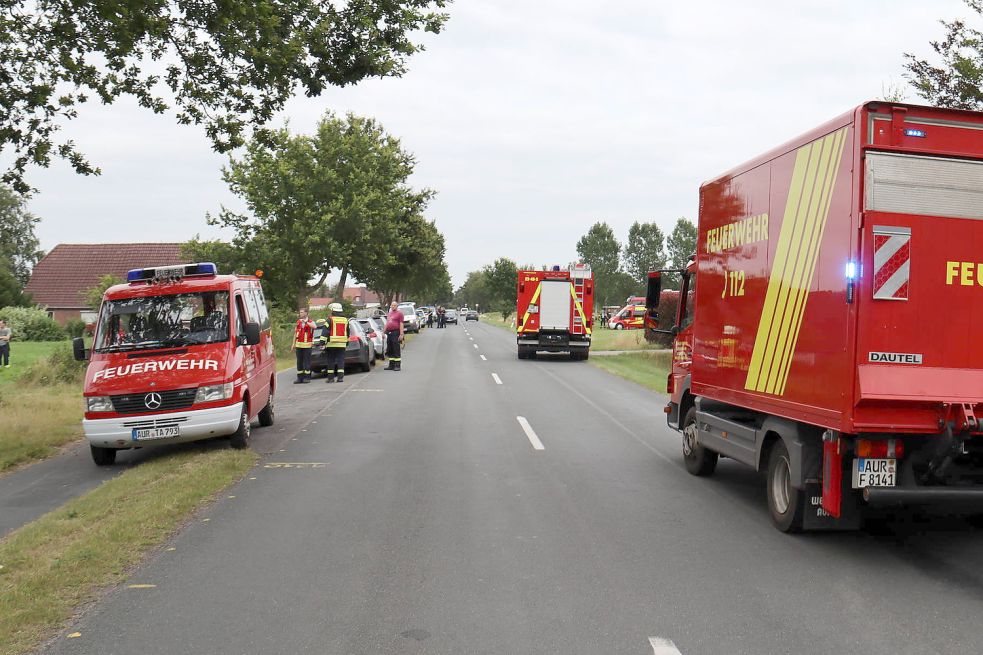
pixel 422 317
pixel 375 334
pixel 471 316
pixel 450 316
pixel 411 322
pixel 358 352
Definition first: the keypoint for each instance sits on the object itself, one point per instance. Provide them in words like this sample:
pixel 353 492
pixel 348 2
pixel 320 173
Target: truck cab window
pixel 689 288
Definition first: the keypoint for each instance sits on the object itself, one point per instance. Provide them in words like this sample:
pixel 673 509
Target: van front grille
pixel 135 403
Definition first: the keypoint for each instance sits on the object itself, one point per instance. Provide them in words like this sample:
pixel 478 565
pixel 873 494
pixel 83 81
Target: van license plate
pixel 869 472
pixel 156 433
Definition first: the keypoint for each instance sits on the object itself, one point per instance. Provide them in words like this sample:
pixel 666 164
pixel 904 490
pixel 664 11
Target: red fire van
pixel 180 353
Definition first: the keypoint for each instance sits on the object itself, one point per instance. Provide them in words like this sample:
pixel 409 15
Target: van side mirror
pixel 252 334
pixel 78 349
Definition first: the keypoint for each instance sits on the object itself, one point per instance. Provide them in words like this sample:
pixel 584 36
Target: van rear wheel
pixel 240 438
pixel 699 460
pixel 103 456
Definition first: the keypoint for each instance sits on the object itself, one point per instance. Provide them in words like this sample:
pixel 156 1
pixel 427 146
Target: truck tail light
pixel 670 386
pixel 880 448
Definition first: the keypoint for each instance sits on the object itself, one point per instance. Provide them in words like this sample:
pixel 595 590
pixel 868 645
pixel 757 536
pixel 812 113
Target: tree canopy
pixel 957 80
pixel 227 66
pixel 643 251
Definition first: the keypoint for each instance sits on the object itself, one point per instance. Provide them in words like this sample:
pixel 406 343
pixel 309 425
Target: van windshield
pixel 184 319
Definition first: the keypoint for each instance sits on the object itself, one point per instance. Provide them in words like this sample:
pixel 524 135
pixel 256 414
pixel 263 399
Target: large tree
pixel 501 280
pixel 957 80
pixel 227 66
pixel 19 247
pixel 644 250
pixel 601 250
pixel 680 246
pixel 335 200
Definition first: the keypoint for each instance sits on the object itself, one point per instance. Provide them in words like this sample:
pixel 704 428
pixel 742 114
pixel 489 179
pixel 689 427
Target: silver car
pixel 375 334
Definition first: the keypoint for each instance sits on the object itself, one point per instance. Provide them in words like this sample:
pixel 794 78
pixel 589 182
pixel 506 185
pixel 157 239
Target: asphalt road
pixel 417 515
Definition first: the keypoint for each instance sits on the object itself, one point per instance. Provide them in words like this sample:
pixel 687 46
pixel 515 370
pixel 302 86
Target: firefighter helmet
pixel 335 306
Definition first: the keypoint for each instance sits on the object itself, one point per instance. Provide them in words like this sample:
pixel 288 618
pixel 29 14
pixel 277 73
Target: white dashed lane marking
pixel 662 646
pixel 497 379
pixel 483 358
pixel 475 345
pixel 530 433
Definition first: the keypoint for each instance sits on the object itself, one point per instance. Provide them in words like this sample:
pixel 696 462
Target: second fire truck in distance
pixel 827 329
pixel 554 311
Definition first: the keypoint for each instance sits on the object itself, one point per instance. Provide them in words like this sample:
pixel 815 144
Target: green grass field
pixel 25 353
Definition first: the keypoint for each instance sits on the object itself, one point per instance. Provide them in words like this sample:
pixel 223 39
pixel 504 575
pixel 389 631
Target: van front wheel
pixel 103 456
pixel 240 438
pixel 267 415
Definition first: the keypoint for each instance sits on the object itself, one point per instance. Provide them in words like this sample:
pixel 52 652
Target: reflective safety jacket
pixel 304 334
pixel 338 333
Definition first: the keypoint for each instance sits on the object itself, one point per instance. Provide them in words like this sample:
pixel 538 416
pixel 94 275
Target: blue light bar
pixel 167 273
pixel 913 132
pixel 851 270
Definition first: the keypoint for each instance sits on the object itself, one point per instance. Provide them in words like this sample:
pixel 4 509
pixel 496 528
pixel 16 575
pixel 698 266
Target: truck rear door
pixel 554 305
pixel 921 290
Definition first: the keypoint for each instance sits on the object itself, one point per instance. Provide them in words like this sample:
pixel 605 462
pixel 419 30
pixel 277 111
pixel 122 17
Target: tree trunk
pixel 339 293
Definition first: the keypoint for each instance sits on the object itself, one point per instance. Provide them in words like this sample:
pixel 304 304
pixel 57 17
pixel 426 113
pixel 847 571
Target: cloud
pixel 534 119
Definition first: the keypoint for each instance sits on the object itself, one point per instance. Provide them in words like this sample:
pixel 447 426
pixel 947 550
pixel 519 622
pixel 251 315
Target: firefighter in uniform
pixel 337 341
pixel 303 341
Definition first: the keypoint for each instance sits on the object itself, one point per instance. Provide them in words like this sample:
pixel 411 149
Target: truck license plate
pixel 156 433
pixel 869 472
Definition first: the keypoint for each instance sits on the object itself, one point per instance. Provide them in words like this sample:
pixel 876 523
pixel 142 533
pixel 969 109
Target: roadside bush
pixel 59 367
pixel 31 324
pixel 75 328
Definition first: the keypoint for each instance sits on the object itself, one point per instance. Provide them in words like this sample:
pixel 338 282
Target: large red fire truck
pixel 832 338
pixel 180 353
pixel 555 311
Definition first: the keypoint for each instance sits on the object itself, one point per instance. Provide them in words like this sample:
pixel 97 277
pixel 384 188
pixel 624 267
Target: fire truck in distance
pixel 827 327
pixel 180 353
pixel 554 311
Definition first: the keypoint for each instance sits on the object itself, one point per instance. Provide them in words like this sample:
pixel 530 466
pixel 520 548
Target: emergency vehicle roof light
pixel 851 270
pixel 171 272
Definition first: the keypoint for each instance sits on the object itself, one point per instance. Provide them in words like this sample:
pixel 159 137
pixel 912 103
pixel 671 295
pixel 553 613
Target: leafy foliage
pixel 644 250
pixel 93 296
pixel 956 82
pixel 228 66
pixel 19 247
pixel 337 199
pixel 31 324
pixel 680 246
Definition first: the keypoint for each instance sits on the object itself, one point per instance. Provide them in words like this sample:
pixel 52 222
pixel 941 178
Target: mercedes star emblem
pixel 152 400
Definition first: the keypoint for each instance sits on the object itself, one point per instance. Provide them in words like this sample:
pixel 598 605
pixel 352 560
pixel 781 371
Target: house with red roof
pixel 59 281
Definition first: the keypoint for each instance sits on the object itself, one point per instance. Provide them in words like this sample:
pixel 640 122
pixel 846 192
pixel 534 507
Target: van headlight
pixel 214 392
pixel 98 404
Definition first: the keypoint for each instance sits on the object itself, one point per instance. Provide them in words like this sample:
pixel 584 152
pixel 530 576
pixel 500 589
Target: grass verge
pixel 648 369
pixel 37 421
pixel 60 561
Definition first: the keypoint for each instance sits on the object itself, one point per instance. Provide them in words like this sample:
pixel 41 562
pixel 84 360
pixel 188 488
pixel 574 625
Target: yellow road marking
pixel 294 465
pixel 141 586
pixel 75 635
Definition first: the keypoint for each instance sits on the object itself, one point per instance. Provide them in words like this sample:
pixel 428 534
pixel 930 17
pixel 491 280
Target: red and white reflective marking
pixel 892 262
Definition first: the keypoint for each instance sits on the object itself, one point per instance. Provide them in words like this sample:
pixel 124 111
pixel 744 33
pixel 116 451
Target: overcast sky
pixel 534 119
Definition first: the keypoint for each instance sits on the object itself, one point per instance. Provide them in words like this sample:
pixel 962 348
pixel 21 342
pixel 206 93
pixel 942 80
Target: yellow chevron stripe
pixel 796 286
pixel 580 309
pixel 525 317
pixel 803 225
pixel 826 199
pixel 764 341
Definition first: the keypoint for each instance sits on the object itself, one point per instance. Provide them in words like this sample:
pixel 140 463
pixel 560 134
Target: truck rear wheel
pixel 523 353
pixel 785 502
pixel 699 460
pixel 103 456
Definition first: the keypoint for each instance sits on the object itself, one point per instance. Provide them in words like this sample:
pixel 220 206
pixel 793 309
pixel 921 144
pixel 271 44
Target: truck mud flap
pixel 816 518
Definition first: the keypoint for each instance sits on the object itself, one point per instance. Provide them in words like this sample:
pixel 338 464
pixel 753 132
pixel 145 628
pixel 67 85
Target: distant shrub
pixel 75 328
pixel 58 367
pixel 31 324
